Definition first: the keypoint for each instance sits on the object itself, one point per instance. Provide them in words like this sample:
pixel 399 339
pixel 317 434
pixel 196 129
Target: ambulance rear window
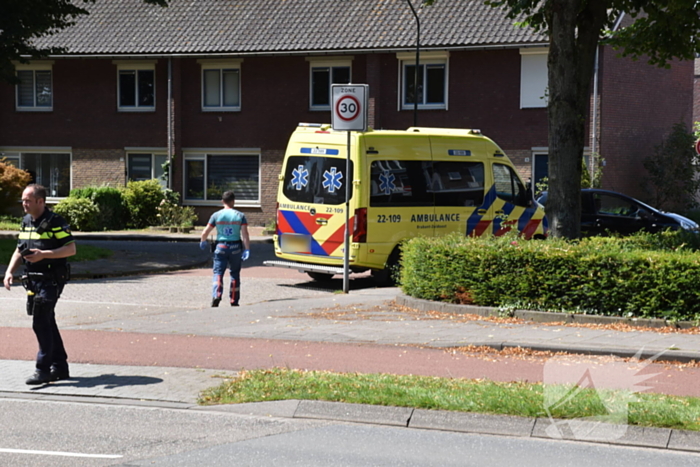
pixel 316 180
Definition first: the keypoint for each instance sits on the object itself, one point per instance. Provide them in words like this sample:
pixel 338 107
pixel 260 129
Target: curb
pixel 545 317
pixel 538 316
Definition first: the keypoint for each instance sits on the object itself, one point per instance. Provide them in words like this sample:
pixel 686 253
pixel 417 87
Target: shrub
pixel 673 172
pixel 640 276
pixel 142 200
pixel 12 182
pixel 113 214
pixel 80 213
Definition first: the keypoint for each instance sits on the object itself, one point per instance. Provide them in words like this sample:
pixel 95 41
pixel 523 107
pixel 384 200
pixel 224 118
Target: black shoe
pixel 215 302
pixel 59 375
pixel 39 377
pixel 235 304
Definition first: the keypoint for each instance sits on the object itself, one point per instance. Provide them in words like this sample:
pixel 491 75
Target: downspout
pixel 171 131
pixel 593 163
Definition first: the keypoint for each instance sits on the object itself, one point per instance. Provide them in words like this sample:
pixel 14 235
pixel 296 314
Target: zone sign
pixel 349 107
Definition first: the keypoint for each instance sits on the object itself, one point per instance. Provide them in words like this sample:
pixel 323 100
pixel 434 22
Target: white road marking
pixel 58 453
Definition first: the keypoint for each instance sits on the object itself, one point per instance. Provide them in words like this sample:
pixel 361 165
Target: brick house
pixel 217 87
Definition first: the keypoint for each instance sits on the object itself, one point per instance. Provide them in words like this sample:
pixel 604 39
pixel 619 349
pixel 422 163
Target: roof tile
pixel 249 26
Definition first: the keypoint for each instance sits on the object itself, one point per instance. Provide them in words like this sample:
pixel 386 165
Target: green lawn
pixel 463 395
pixel 85 252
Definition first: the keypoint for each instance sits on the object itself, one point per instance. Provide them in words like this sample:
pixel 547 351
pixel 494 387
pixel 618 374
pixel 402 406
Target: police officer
pixel 44 243
pixel 232 246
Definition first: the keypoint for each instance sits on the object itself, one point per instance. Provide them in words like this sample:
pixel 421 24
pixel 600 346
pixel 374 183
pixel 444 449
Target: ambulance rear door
pixel 400 205
pixel 458 184
pixel 311 211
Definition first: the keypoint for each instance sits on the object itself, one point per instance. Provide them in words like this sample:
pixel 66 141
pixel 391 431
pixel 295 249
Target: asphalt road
pixel 47 433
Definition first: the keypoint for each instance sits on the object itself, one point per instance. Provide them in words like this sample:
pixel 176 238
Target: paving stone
pixel 472 422
pixel 380 415
pixel 592 431
pixel 683 440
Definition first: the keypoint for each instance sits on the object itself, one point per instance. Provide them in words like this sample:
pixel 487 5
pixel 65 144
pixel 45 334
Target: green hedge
pixel 113 213
pixel 142 200
pixel 646 276
pixel 80 213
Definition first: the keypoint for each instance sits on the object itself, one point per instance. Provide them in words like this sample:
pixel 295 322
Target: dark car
pixel 604 211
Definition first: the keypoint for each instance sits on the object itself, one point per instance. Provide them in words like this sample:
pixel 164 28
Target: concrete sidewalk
pixel 128 260
pixel 376 327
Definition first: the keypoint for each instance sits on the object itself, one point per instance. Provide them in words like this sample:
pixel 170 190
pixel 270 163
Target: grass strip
pixel 85 252
pixel 10 223
pixel 462 395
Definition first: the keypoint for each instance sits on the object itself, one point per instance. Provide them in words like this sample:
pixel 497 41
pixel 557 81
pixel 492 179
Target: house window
pixel 221 85
pixel 35 89
pixel 323 74
pixel 136 85
pixel 432 86
pixel 209 175
pixel 533 78
pixel 143 166
pixel 50 169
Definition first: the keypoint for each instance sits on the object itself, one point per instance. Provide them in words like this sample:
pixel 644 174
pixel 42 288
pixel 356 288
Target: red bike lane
pixel 234 354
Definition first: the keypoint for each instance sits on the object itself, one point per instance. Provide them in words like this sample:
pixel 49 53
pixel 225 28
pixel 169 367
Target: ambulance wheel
pixel 320 276
pixel 387 276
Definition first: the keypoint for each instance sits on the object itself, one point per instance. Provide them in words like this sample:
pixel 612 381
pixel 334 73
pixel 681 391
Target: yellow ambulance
pixel 421 181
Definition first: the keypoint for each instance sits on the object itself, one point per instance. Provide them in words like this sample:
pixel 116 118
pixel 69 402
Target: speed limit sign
pixel 349 106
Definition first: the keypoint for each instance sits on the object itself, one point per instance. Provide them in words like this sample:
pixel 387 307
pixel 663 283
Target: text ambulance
pixel 422 181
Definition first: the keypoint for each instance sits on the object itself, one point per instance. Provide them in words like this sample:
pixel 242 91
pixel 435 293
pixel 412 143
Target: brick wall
pixel 98 167
pixel 696 93
pixel 522 160
pixel 639 104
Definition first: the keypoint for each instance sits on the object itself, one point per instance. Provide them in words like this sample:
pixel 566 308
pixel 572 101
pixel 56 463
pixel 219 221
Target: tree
pixel 12 182
pixel 663 30
pixel 21 21
pixel 673 171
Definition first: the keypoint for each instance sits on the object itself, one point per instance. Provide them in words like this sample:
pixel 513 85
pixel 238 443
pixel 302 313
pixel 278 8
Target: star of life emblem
pixel 300 177
pixel 331 180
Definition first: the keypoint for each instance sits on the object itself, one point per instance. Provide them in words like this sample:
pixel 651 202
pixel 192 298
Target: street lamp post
pixel 415 77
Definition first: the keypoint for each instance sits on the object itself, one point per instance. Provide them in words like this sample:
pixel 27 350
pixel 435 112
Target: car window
pixel 508 185
pixel 614 206
pixel 458 183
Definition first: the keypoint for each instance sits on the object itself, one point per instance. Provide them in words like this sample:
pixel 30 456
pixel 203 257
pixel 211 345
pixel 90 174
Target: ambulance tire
pixel 387 276
pixel 319 276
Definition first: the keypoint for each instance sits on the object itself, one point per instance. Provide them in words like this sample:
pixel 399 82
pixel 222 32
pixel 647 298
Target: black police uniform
pixel 44 281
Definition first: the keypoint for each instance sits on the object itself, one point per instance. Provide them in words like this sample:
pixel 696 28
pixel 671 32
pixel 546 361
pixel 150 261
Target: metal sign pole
pixel 346 248
pixel 349 114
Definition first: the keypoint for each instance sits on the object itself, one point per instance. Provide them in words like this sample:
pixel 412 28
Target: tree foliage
pixel 12 182
pixel 673 171
pixel 22 21
pixel 663 30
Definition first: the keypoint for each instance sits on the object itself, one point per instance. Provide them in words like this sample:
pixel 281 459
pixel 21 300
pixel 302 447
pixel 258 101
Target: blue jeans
pixel 227 254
